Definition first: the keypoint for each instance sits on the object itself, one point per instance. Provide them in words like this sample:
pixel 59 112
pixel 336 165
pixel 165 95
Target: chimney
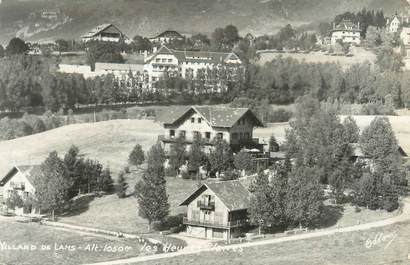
pixel 155 49
pixel 145 54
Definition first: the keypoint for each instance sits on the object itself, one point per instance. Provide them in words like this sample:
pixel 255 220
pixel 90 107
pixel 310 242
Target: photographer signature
pixel 381 238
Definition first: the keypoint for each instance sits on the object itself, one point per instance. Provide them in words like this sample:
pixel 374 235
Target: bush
pixel 390 204
pixel 122 186
pixel 172 221
pixel 137 156
pixel 187 175
pixel 280 115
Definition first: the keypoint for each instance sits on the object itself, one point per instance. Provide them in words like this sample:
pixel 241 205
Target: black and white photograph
pixel 206 132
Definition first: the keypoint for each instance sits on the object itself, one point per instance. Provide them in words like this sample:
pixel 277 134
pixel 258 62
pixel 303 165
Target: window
pixel 196 134
pixel 199 120
pixel 170 60
pixel 192 120
pixel 158 60
pixel 172 133
pixel 220 136
pixel 208 135
pixel 164 60
pixel 182 134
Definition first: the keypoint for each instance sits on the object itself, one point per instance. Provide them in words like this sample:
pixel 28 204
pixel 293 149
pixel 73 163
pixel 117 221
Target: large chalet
pixel 189 64
pixel 217 210
pixel 105 32
pixel 167 36
pixel 346 32
pixel 235 125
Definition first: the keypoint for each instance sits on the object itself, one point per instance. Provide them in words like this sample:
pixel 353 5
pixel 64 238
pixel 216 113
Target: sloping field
pixel 110 142
pixel 360 56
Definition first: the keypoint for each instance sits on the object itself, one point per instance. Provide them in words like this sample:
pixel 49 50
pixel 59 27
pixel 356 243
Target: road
pixel 405 216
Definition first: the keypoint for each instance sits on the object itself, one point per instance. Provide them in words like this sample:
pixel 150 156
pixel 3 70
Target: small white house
pixel 347 32
pixel 394 25
pixel 20 179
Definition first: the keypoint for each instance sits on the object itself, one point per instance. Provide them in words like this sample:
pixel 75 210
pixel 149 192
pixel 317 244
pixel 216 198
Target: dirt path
pixel 405 216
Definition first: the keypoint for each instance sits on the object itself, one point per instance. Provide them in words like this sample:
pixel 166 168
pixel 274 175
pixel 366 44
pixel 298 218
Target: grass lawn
pixel 37 235
pixel 389 245
pixel 111 213
pixel 110 142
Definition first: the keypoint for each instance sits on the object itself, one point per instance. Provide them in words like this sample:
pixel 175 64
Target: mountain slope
pixel 149 17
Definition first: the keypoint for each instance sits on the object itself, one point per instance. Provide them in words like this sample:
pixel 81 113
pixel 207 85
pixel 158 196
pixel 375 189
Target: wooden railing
pixel 215 223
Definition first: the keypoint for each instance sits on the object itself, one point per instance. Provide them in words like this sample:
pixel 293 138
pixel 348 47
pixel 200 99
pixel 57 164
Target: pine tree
pixel 221 157
pixel 242 161
pixel 178 155
pixel 304 197
pixel 260 207
pixel 136 156
pixel 196 156
pixel 379 144
pixel 151 190
pixel 74 168
pixel 106 183
pixel 122 186
pixel 351 130
pixel 52 185
pixel 273 144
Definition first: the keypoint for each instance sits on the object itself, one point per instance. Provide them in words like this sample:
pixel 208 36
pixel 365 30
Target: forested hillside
pixel 150 17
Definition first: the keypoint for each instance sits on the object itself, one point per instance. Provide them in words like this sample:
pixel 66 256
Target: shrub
pixel 122 186
pixel 14 201
pixel 187 175
pixel 136 156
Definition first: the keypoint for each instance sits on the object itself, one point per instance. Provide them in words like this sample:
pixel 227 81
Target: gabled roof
pixel 357 150
pixel 221 117
pixel 197 56
pixel 347 25
pixel 30 171
pixel 100 28
pixel 169 34
pixel 232 194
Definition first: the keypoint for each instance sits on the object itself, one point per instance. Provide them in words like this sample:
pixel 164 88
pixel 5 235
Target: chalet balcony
pixel 187 140
pixel 215 223
pixel 206 206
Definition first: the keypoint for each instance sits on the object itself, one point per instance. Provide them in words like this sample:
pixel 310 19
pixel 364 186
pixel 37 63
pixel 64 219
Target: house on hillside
pixel 217 210
pixel 394 24
pixel 20 179
pixel 405 37
pixel 347 32
pixel 191 65
pixel 105 32
pixel 358 154
pixel 235 125
pixel 167 37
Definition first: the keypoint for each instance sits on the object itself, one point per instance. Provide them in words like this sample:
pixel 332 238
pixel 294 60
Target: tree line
pixel 319 152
